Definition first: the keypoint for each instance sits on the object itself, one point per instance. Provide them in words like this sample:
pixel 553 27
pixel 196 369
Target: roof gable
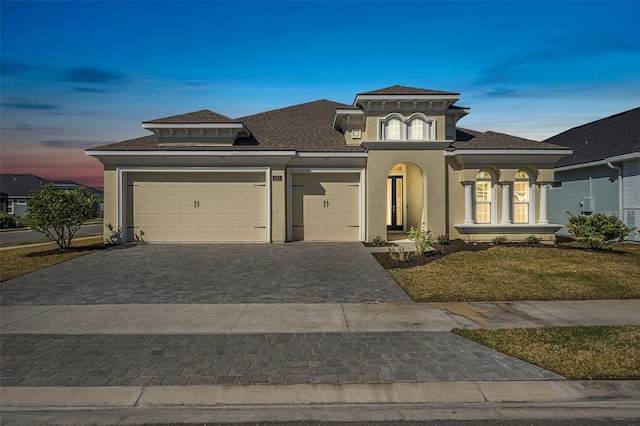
pixel 405 90
pixel 608 137
pixel 197 117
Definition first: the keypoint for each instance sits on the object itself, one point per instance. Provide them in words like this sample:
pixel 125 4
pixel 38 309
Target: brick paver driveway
pixel 210 273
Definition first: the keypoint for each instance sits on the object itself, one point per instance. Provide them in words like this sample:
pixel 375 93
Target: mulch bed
pixel 441 250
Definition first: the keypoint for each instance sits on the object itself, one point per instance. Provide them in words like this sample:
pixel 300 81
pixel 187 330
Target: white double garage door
pixel 235 207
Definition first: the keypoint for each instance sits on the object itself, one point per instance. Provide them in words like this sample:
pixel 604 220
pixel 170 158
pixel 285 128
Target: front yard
pixel 19 261
pixel 478 272
pixel 578 353
pixel 525 273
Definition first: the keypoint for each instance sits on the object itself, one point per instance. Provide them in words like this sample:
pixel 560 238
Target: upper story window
pixel 418 129
pixel 484 197
pixel 398 128
pixel 521 197
pixel 393 129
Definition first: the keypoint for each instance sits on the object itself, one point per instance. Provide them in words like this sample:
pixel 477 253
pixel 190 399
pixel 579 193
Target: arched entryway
pixel 404 198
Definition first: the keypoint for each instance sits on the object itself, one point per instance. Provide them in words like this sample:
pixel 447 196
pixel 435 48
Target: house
pixel 327 171
pixel 603 173
pixel 16 188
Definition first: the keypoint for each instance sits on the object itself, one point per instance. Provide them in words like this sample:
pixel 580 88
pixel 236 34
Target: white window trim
pixel 430 129
pixel 493 209
pixel 531 212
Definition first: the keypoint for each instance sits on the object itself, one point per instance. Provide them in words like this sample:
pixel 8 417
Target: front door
pixel 394 203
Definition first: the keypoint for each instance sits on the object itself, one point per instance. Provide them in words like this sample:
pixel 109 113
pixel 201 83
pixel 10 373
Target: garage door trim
pixel 292 171
pixel 122 176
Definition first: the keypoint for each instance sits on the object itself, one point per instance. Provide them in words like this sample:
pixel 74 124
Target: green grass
pixel 26 243
pixel 20 261
pixel 526 273
pixel 578 353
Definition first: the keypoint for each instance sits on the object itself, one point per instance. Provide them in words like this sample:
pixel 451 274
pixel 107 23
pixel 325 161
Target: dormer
pixel 401 114
pixel 200 128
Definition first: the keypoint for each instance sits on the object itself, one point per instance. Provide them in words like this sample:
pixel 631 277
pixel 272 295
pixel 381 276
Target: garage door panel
pixel 326 206
pixel 221 207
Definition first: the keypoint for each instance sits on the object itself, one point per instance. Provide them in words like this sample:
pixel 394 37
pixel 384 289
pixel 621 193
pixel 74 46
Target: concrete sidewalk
pixel 363 338
pixel 301 318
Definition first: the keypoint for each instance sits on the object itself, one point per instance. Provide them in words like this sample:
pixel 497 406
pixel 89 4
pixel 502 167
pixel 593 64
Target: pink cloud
pixel 53 164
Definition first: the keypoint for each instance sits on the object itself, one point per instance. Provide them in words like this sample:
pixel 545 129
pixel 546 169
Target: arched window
pixel 521 197
pixel 418 130
pixel 393 129
pixel 484 197
pixel 415 128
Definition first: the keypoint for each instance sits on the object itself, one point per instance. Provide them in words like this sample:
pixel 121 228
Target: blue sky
pixel 80 74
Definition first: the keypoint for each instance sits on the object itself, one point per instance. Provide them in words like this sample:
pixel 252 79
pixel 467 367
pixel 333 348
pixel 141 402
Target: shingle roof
pixel 495 140
pixel 464 135
pixel 202 116
pixel 305 128
pixel 20 185
pixel 404 90
pixel 612 136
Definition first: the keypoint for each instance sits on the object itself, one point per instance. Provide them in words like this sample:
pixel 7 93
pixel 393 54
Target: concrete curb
pixel 309 394
pixel 394 401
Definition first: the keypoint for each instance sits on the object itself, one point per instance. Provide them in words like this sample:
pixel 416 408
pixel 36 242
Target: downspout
pixel 619 169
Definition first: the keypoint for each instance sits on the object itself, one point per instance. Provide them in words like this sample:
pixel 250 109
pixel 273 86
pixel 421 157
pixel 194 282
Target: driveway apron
pixel 209 274
pixel 232 273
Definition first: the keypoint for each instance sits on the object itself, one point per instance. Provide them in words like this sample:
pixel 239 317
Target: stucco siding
pixel 110 201
pixel 432 165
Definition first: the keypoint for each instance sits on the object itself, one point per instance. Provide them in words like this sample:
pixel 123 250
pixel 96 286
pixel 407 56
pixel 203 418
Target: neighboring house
pixel 16 189
pixel 603 173
pixel 326 171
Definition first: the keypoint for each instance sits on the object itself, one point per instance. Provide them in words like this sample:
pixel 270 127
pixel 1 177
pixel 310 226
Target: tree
pixel 597 231
pixel 58 214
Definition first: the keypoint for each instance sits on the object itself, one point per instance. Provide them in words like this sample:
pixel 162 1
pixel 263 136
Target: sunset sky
pixel 77 75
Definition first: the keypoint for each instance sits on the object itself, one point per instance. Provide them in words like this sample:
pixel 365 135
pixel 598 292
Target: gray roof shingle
pixel 495 140
pixel 197 117
pixel 305 128
pixel 404 90
pixel 609 137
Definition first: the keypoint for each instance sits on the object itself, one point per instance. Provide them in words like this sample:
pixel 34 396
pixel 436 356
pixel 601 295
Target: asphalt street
pixel 8 237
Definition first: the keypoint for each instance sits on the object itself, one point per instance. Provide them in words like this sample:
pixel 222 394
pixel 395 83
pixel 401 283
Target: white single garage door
pixel 216 207
pixel 326 206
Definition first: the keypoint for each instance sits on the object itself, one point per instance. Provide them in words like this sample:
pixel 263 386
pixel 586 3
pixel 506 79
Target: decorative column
pixel 505 218
pixel 542 214
pixel 468 203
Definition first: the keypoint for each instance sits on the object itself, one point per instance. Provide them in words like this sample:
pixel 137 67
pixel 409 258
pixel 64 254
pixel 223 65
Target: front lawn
pixel 526 273
pixel 577 353
pixel 20 261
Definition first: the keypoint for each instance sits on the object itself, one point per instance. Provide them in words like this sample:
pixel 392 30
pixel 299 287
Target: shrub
pixel 501 239
pixel 443 239
pixel 532 240
pixel 398 254
pixel 58 214
pixel 597 231
pixel 379 241
pixel 7 220
pixel 421 239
